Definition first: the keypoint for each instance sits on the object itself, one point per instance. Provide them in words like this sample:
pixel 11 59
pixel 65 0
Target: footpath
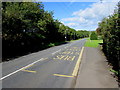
pixel 94 71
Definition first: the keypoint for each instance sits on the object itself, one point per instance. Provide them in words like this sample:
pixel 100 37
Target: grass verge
pixel 92 43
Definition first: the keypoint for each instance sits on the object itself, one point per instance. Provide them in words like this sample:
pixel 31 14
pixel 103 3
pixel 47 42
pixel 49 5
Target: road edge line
pixel 21 69
pixel 76 69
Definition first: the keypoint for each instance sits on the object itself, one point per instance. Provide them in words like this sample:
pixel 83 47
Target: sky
pixel 81 15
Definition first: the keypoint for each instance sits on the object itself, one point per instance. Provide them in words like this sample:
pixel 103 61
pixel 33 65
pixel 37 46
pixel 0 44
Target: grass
pixel 92 43
pixel 55 44
pixel 116 72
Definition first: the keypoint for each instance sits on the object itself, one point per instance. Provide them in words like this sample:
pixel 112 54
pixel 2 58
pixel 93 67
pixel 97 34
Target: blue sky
pixel 80 15
pixel 65 9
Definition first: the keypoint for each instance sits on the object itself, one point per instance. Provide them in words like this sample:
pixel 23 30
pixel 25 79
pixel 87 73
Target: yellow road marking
pixel 29 71
pixel 64 53
pixel 66 58
pixel 71 52
pixel 10 74
pixel 73 58
pixel 59 57
pixel 24 69
pixel 62 75
pixel 31 65
pixel 28 67
pixel 77 53
pixel 69 58
pixel 75 71
pixel 75 47
pixel 68 52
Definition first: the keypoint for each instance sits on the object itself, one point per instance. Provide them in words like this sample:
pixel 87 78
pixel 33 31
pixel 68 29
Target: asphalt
pixel 49 68
pixel 94 71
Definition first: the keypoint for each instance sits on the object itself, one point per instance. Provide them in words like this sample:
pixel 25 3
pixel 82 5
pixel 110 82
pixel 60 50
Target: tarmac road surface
pixel 50 68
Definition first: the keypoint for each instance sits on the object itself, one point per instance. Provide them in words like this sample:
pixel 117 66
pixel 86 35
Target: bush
pixel 51 45
pixel 93 36
pixel 110 29
pixel 100 38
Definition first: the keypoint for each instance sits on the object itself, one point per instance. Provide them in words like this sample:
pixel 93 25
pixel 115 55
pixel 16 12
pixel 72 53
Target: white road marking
pixel 66 46
pixel 29 65
pixel 21 69
pixel 56 52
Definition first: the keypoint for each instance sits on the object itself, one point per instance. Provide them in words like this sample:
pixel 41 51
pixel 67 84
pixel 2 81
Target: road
pixel 50 68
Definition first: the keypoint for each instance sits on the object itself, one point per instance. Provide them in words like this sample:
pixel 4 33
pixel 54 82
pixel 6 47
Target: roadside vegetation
pixel 109 29
pixel 27 27
pixel 93 43
pixel 94 40
pixel 93 36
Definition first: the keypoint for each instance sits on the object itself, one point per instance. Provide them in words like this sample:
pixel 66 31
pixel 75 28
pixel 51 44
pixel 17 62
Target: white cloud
pixel 76 19
pixel 97 10
pixel 71 24
pixel 89 17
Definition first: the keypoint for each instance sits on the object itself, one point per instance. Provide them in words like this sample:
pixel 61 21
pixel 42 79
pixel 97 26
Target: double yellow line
pixel 76 69
pixel 75 72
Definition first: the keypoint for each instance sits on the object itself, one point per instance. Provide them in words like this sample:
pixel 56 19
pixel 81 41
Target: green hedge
pixel 93 36
pixel 110 30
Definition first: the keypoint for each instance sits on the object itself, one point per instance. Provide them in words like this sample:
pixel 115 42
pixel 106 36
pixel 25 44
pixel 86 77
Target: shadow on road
pixel 12 53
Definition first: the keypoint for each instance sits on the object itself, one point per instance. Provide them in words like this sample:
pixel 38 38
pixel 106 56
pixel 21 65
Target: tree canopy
pixel 26 27
pixel 93 36
pixel 109 28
